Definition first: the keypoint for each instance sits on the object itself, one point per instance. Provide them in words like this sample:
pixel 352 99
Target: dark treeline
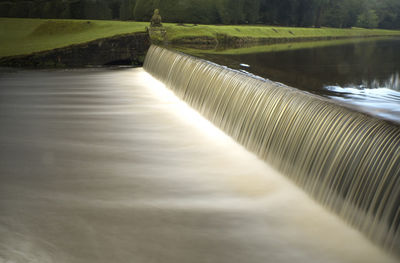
pixel 304 13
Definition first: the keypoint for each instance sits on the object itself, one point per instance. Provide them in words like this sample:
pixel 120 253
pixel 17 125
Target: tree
pixel 5 8
pixel 389 14
pixel 332 13
pixel 188 11
pixel 114 6
pixel 65 12
pixel 252 11
pixel 77 9
pixel 287 12
pixel 320 8
pixel 352 9
pixel 368 19
pixel 20 9
pixel 144 9
pixel 204 12
pixel 269 11
pixel 226 10
pixel 126 9
pixel 305 13
pixel 96 9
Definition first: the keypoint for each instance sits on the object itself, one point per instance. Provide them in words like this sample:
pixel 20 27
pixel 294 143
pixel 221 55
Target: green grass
pixel 175 32
pixel 25 36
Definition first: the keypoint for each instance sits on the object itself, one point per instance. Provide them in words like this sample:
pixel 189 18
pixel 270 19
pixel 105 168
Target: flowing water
pixel 361 73
pixel 109 166
pixel 348 161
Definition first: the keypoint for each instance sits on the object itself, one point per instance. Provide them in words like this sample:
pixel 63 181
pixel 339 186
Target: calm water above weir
pixel 363 73
pixel 109 166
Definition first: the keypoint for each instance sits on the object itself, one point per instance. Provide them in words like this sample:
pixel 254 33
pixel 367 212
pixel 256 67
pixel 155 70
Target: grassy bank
pixel 25 36
pixel 177 33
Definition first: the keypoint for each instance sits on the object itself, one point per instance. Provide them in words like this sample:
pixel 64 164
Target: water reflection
pixel 391 83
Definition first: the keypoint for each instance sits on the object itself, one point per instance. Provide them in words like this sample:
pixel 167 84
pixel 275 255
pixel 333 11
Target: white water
pixel 109 166
pixel 348 161
pixel 378 99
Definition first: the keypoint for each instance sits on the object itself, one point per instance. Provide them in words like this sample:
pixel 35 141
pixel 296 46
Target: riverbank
pixel 240 35
pixel 278 47
pixel 50 42
pixel 20 36
pixel 127 49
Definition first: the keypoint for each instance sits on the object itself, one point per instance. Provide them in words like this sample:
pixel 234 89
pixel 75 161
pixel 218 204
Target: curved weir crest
pixel 348 161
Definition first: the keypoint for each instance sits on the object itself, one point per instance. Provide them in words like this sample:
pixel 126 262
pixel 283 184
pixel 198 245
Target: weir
pixel 347 160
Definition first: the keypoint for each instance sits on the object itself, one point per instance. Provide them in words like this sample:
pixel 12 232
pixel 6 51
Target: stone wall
pixel 123 49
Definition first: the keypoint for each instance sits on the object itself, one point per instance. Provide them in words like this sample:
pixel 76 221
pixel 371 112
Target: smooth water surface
pixel 364 74
pixel 109 166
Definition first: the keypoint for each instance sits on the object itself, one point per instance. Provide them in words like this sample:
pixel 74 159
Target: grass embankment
pixel 177 33
pixel 26 36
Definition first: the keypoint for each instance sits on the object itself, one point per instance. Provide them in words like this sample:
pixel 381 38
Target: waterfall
pixel 347 160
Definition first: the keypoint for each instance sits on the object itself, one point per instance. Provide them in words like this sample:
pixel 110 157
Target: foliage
pixel 97 10
pixel 368 19
pixel 188 11
pixel 126 9
pixel 304 13
pixel 389 14
pixel 144 9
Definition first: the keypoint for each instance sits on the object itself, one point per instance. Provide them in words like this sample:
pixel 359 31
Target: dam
pixel 347 160
pixel 101 165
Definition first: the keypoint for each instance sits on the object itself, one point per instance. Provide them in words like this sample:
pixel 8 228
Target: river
pixel 109 166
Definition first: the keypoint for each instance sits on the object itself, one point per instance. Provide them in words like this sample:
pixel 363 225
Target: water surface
pixel 361 73
pixel 108 166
